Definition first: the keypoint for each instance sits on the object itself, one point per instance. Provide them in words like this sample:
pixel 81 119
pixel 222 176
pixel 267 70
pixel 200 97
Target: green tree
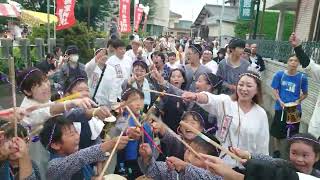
pixel 268 28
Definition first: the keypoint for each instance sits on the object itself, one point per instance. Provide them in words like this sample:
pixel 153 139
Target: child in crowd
pixel 17 164
pixel 36 87
pixel 288 86
pixel 173 146
pixel 172 61
pixel 88 122
pixel 172 108
pixel 304 152
pixel 207 82
pixel 139 81
pixel 129 156
pixel 192 167
pixel 61 139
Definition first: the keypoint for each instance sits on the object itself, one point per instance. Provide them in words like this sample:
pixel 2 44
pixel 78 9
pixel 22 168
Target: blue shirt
pixel 289 87
pixel 132 148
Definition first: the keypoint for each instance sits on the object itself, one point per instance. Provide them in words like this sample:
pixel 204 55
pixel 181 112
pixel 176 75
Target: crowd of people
pixel 135 101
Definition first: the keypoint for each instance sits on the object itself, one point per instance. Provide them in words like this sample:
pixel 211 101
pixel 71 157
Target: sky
pixel 189 9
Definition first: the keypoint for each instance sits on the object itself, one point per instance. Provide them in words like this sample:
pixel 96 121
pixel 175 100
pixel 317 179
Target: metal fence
pixel 281 50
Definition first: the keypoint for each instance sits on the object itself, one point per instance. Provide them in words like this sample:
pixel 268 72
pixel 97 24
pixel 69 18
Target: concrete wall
pixel 304 19
pixel 307 105
pixel 226 30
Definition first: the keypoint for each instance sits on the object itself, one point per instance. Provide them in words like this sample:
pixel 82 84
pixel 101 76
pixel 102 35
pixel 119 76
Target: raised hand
pixel 294 41
pixel 145 152
pixel 134 133
pixel 177 163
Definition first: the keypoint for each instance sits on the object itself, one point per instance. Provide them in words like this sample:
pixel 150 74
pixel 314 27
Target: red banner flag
pixel 65 14
pixel 138 17
pixel 124 16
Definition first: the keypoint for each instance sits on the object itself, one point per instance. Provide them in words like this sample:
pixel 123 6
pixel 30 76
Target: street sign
pixel 246 9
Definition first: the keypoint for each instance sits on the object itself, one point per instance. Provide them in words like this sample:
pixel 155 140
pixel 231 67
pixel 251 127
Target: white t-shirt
pixel 253 134
pixel 212 65
pixel 93 71
pixel 147 56
pixel 131 54
pixel 173 66
pixel 313 69
pixel 122 68
pixel 35 117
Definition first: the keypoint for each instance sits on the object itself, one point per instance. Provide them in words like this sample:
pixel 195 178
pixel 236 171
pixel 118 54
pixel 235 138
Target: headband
pixel 196 114
pixel 194 47
pixel 73 83
pixel 51 135
pixel 304 139
pixel 214 85
pixel 27 75
pixel 251 75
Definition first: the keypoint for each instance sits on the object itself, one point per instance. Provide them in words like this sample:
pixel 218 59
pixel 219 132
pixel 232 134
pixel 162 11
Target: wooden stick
pixel 162 93
pixel 111 155
pixel 143 76
pixel 13 89
pixel 134 117
pixel 204 137
pixel 177 136
pixel 122 105
pixel 70 97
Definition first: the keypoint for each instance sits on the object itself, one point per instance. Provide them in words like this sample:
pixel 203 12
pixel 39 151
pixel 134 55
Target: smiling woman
pixel 242 122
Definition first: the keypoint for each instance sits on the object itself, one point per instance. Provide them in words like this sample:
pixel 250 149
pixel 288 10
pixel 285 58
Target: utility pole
pixel 48 21
pixel 221 16
pixel 257 2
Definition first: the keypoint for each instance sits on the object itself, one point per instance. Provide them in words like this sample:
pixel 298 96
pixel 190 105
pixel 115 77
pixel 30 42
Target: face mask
pixel 74 58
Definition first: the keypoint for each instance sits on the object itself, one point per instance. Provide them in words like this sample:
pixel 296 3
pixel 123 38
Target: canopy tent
pixel 34 18
pixel 8 10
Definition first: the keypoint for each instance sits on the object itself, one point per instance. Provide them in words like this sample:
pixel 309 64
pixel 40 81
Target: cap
pixel 72 49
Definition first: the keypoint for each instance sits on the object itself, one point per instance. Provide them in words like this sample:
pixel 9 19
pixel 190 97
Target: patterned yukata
pixel 158 170
pixel 63 168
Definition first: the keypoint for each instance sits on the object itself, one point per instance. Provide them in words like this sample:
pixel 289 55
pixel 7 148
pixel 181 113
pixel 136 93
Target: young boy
pixel 175 168
pixel 61 139
pixel 287 87
pixel 17 163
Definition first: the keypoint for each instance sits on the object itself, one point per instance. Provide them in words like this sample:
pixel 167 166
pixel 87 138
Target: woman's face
pixel 202 84
pixel 176 79
pixel 246 88
pixel 42 92
pixel 303 157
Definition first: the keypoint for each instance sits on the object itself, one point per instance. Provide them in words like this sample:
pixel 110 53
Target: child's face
pixel 172 59
pixel 202 84
pixel 293 63
pixel 139 71
pixel 82 88
pixel 192 158
pixel 69 141
pixel 137 105
pixel 187 134
pixel 176 79
pixel 303 157
pixel 42 92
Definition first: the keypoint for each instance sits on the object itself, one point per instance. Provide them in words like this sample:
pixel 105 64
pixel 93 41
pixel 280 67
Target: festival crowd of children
pixel 164 109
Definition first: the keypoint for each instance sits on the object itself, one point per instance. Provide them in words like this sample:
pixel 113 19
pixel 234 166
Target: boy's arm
pixel 69 165
pixel 199 173
pixel 275 161
pixel 156 169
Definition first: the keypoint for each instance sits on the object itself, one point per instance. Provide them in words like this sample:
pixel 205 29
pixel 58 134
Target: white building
pixel 207 24
pixel 158 22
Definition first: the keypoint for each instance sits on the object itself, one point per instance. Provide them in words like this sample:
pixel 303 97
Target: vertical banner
pixel 246 9
pixel 138 16
pixel 124 16
pixel 65 14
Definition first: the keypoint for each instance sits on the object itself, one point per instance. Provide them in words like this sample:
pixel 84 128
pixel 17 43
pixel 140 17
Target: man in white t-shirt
pixel 133 53
pixel 207 61
pixel 148 50
pixel 122 65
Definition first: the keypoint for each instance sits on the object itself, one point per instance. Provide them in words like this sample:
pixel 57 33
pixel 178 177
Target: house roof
pixel 176 15
pixel 214 11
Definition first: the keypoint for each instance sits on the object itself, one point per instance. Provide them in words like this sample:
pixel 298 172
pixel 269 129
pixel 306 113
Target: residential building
pixel 207 25
pixel 158 23
pixel 177 27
